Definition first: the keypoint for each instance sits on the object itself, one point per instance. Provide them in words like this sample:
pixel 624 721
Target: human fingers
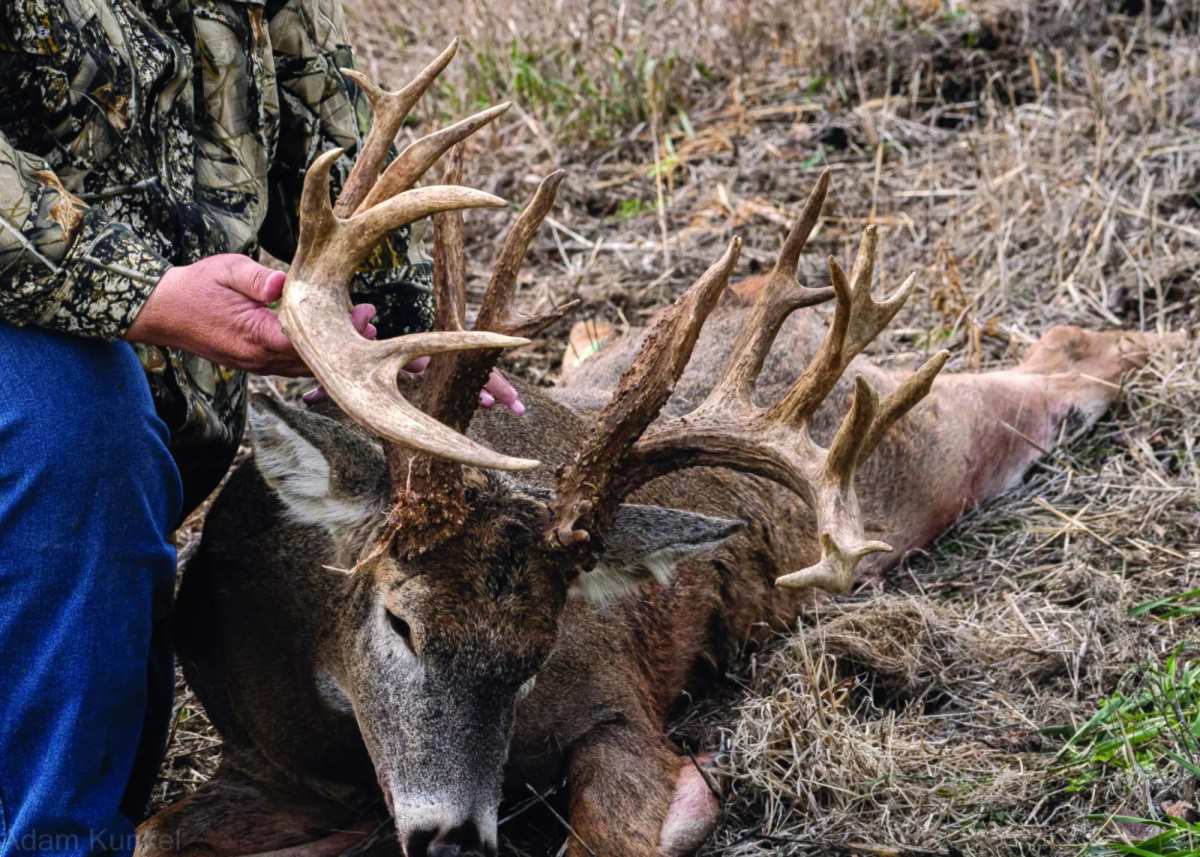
pixel 417 366
pixel 499 389
pixel 257 282
pixel 360 317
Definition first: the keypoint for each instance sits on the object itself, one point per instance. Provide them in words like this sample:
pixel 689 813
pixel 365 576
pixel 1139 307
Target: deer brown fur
pixel 261 616
pixel 356 671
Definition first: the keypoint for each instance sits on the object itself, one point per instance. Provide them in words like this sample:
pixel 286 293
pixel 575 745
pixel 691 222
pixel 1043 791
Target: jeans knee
pixel 77 418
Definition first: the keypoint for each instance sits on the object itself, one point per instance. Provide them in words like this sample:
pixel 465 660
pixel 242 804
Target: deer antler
pixel 588 492
pixel 359 374
pixel 728 430
pixel 451 385
pixel 429 494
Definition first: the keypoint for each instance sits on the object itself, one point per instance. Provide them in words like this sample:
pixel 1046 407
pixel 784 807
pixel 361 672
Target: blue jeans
pixel 88 497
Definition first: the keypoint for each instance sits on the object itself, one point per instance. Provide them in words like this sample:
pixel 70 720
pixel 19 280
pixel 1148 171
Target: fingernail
pixel 314 395
pixel 486 399
pixel 518 408
pixel 275 285
pixel 371 332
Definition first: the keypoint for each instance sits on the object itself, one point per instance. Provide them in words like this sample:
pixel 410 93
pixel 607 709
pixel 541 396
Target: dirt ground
pixel 1027 685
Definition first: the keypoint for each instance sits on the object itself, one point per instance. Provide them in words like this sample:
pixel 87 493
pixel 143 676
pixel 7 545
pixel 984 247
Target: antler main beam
pixel 588 492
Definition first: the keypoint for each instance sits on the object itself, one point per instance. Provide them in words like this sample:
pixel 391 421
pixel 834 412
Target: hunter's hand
pixel 497 391
pixel 218 308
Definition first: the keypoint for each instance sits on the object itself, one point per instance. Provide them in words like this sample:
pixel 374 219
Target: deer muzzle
pixel 439 745
pixel 441 828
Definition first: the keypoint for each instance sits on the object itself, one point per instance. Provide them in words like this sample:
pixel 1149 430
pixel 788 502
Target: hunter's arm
pixel 66 265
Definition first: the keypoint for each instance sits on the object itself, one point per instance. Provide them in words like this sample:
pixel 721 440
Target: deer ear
pixel 324 472
pixel 645 543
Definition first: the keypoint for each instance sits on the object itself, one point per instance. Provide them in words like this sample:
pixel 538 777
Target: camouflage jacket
pixel 140 134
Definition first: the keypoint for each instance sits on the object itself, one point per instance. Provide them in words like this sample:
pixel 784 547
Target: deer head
pixel 455 564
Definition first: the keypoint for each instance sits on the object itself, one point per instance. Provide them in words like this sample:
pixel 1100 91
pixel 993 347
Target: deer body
pixel 261 621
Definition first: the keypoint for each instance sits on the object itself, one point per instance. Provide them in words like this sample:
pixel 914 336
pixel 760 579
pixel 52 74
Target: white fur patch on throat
pixel 602 585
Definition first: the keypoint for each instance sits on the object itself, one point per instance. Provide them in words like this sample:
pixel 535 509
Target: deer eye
pixel 401 628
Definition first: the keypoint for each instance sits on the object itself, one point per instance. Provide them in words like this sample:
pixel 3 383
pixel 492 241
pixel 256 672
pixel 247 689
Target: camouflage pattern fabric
pixel 140 134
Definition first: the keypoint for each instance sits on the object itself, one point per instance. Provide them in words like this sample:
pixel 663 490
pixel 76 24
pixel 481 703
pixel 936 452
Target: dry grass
pixel 931 714
pixel 1036 163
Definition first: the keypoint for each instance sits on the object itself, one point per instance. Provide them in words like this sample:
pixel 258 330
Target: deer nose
pixel 460 841
pixel 442 849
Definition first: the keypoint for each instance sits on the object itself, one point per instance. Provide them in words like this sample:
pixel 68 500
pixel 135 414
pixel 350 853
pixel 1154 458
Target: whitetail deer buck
pixel 404 612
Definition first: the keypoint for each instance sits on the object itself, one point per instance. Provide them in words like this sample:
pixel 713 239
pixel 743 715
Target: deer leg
pixel 977 435
pixel 1069 378
pixel 694 810
pixel 234 816
pixel 633 796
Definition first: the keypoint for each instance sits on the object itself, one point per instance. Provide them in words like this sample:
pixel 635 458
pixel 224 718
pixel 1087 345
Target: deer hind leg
pixel 977 435
pixel 1084 367
pixel 1069 378
pixel 633 796
pixel 234 816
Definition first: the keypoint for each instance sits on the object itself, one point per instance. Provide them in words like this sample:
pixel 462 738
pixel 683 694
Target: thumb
pixel 255 281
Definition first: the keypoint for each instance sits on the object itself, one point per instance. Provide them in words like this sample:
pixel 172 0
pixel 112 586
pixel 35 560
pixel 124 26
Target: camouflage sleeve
pixel 320 110
pixel 65 265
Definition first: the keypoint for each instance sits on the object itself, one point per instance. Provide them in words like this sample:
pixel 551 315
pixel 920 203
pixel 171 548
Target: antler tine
pixel 783 297
pixel 452 385
pixel 360 374
pixel 585 499
pixel 869 317
pixel 450 258
pixel 418 157
pixel 727 430
pixel 834 572
pixel 496 309
pixel 902 400
pixel 793 245
pixel 826 366
pixel 329 243
pixel 388 110
pixel 530 326
pixel 843 454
